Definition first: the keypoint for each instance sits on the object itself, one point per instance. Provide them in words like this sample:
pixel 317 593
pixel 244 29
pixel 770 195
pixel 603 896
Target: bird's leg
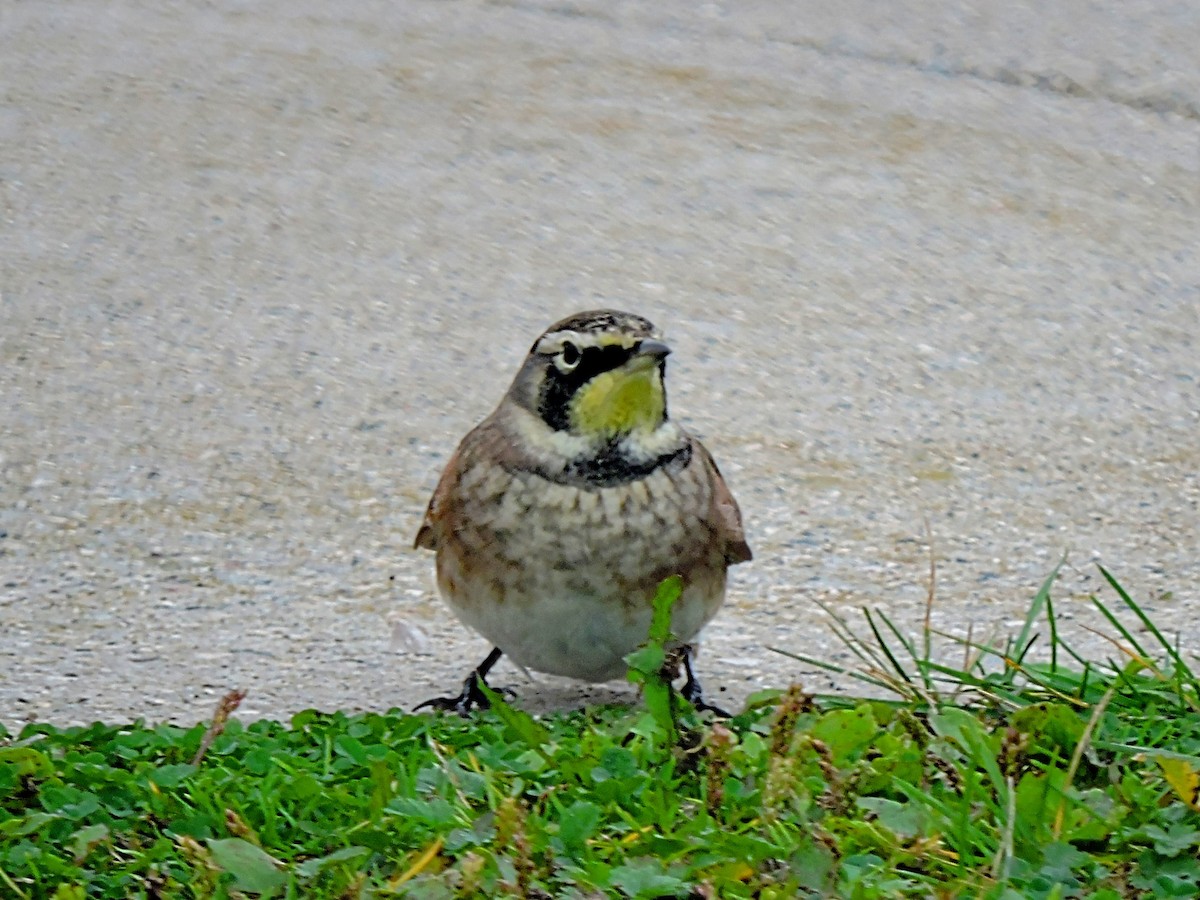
pixel 472 695
pixel 692 692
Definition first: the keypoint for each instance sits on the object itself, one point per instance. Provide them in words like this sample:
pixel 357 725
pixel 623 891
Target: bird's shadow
pixel 563 695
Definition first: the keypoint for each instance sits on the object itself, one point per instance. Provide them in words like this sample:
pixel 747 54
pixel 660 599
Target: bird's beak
pixel 653 349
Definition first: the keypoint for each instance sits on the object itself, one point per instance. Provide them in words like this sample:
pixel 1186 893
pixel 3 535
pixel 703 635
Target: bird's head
pixel 597 375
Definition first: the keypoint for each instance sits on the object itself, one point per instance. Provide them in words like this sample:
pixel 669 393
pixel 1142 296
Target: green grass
pixel 999 777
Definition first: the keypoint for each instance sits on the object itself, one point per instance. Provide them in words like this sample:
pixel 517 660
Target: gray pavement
pixel 262 265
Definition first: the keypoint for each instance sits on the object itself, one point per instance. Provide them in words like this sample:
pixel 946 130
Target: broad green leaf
pixel 906 820
pixel 847 732
pixel 578 823
pixel 965 730
pixel 664 599
pixel 529 729
pixel 351 748
pixel 1051 725
pixel 619 762
pixel 311 867
pixel 171 776
pixel 29 824
pixel 646 663
pixel 26 761
pixel 645 879
pixel 83 840
pixel 432 812
pixel 81 808
pixel 302 787
pixel 1174 839
pixel 1039 795
pixel 252 869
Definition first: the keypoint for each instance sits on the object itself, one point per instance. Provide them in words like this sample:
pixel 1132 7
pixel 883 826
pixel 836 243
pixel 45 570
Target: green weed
pixel 1001 777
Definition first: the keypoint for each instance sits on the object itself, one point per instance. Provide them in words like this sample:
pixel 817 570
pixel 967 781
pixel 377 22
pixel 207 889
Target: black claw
pixel 472 695
pixel 694 694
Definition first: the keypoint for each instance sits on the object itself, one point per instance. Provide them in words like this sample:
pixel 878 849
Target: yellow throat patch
pixel 621 401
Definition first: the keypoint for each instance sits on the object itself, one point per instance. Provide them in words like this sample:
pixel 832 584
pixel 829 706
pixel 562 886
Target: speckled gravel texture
pixel 264 264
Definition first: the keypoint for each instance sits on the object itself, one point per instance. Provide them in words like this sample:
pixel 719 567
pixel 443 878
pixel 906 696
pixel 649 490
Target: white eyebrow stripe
pixel 552 343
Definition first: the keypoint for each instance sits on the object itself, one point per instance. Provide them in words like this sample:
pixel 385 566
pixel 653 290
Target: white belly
pixel 561 578
pixel 586 636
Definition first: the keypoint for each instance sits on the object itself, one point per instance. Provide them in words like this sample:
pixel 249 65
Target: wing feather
pixel 442 508
pixel 726 516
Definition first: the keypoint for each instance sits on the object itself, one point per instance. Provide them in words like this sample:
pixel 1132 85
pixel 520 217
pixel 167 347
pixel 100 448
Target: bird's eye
pixel 568 358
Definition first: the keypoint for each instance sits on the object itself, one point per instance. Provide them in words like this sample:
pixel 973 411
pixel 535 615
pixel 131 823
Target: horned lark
pixel 559 514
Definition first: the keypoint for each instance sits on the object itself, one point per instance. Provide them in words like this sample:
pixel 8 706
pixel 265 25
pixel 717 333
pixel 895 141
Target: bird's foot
pixel 472 695
pixel 694 694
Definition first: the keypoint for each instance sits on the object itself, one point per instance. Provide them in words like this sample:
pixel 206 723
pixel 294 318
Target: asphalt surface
pixel 930 272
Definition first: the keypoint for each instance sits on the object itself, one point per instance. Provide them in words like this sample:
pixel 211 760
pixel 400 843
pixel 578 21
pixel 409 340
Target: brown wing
pixel 726 516
pixel 487 440
pixel 441 505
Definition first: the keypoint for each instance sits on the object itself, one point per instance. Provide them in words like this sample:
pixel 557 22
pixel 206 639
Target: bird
pixel 558 516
